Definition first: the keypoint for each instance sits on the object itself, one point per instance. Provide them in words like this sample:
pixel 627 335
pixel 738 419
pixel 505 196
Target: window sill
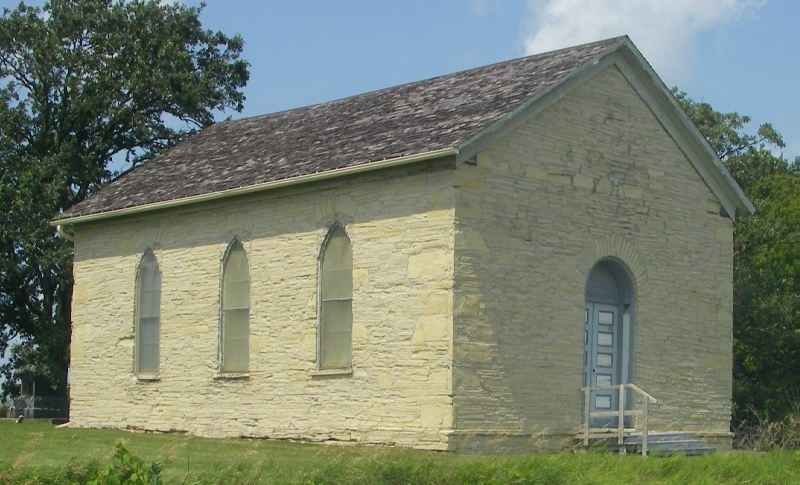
pixel 148 377
pixel 348 371
pixel 231 376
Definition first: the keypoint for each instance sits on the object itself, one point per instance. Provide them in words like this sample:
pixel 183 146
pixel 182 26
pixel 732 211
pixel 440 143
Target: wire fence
pixel 47 406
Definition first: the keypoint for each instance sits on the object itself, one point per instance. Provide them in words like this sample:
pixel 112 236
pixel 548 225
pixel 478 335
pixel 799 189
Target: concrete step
pixel 635 438
pixel 668 443
pixel 697 451
pixel 606 433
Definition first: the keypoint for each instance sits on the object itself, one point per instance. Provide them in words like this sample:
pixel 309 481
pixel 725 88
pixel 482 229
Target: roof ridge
pixel 381 124
pixel 609 40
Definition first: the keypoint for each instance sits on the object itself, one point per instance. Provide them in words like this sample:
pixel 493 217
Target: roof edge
pixel 695 143
pixel 695 146
pixel 261 187
pixel 618 39
pixel 472 145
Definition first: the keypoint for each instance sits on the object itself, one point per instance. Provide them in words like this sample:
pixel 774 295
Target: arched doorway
pixel 607 339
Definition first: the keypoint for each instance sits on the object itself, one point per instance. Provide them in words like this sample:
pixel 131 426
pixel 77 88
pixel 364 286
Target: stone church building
pixel 475 261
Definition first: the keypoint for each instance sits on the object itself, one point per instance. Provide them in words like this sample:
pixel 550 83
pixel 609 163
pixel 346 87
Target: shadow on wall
pixel 292 210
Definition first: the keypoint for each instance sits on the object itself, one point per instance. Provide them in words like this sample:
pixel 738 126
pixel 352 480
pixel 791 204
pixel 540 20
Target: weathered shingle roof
pixel 409 119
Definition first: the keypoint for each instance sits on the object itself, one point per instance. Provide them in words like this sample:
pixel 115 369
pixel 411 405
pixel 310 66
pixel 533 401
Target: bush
pixel 124 469
pixel 127 469
pixel 765 434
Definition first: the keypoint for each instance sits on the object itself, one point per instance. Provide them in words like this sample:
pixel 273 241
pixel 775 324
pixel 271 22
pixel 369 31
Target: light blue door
pixel 601 355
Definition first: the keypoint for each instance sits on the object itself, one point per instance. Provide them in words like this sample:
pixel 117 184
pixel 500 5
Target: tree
pixel 84 85
pixel 767 300
pixel 766 307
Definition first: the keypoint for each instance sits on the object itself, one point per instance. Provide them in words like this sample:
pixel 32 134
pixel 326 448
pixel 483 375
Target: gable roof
pixel 437 117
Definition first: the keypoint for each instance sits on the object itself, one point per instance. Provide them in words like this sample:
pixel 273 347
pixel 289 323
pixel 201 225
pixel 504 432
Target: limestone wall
pixel 400 222
pixel 593 175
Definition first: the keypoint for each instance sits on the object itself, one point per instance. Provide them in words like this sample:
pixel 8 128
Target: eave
pixel 262 187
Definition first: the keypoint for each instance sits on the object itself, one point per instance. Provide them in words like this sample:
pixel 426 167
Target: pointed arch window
pixel 235 310
pixel 336 301
pixel 148 314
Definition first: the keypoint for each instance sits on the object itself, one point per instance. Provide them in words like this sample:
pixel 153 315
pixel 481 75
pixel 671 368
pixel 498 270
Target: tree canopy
pixel 766 305
pixel 86 86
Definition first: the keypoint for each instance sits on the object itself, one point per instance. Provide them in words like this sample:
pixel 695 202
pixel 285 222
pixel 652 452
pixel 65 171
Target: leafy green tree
pixel 767 300
pixel 86 85
pixel 766 308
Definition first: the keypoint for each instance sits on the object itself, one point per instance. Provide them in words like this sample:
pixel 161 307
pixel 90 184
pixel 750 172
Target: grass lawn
pixel 36 452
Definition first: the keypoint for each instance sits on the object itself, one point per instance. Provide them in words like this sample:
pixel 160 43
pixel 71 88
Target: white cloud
pixel 664 30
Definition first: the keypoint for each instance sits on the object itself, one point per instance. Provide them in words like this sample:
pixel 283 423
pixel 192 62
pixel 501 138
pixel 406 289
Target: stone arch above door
pixel 614 248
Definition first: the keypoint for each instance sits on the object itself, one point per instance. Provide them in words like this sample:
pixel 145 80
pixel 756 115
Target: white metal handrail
pixel 621 412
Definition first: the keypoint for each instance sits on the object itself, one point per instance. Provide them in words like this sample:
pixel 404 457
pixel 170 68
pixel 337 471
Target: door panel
pixel 601 356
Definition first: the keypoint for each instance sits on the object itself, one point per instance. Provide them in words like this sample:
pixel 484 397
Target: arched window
pixel 336 298
pixel 148 314
pixel 235 310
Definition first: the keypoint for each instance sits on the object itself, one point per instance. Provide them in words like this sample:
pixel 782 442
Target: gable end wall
pixel 590 176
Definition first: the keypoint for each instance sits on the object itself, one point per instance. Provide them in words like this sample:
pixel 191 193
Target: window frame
pixel 235 243
pixel 149 374
pixel 318 369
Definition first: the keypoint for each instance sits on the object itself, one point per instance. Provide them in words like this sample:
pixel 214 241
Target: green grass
pixel 36 452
